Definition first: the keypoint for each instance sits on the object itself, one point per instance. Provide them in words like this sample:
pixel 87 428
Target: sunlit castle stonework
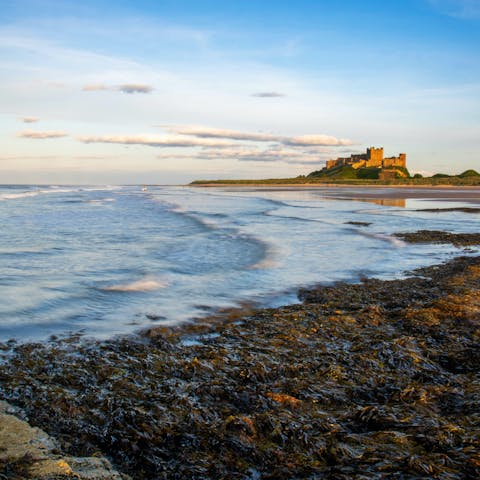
pixel 372 158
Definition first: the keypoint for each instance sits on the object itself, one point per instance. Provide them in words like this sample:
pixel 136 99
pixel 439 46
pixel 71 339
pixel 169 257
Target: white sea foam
pixel 12 196
pixel 269 260
pixel 100 202
pixel 144 285
pixel 387 238
pixel 54 189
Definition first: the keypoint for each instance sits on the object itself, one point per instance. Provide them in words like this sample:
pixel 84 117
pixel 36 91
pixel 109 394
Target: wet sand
pixel 451 194
pixel 469 194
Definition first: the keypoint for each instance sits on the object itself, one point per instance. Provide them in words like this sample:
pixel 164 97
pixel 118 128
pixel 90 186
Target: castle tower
pixel 374 157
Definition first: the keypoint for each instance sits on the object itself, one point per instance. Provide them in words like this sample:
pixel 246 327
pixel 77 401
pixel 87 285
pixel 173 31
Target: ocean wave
pixel 12 196
pixel 385 238
pixel 34 193
pixel 54 189
pixel 269 259
pixel 144 285
pixel 97 202
pixel 192 215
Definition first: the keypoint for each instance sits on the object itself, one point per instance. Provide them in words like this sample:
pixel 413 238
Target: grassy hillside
pixel 347 175
pixel 348 172
pixel 469 174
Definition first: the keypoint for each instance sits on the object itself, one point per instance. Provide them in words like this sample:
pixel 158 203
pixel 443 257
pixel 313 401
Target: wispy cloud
pixel 59 157
pixel 467 9
pixel 135 88
pixel 316 140
pixel 41 135
pixel 29 119
pixel 29 157
pixel 95 157
pixel 44 48
pixel 299 141
pixel 306 161
pixel 279 154
pixel 154 140
pixel 268 94
pixel 125 88
pixel 95 87
pixel 208 132
pixel 246 154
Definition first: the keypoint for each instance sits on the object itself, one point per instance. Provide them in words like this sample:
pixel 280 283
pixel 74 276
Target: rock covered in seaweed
pixel 29 453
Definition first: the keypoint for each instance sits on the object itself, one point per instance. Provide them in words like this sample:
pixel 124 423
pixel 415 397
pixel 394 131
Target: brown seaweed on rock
pixel 378 380
pixel 439 236
pixel 450 209
pixel 16 468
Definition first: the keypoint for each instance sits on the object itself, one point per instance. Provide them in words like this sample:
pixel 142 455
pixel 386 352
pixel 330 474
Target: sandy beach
pixel 351 192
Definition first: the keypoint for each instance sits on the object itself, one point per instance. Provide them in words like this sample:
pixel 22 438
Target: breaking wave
pixel 34 193
pixel 385 238
pixel 144 285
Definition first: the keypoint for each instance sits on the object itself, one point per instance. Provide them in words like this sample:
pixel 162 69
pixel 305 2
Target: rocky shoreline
pixel 27 452
pixel 377 380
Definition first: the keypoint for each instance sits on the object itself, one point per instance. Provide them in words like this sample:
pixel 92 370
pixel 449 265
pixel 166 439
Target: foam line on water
pixel 275 213
pixel 383 237
pixel 34 193
pixel 270 257
pixel 193 216
pixel 143 285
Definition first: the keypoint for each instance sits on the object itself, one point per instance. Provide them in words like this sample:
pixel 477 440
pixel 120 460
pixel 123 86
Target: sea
pixel 103 261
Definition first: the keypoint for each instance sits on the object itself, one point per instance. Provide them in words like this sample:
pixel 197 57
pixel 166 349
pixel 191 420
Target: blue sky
pixel 170 91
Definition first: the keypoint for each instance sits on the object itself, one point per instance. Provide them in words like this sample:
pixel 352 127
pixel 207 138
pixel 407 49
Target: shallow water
pixel 112 260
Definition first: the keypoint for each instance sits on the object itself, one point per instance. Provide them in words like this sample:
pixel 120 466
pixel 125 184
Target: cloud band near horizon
pixel 302 140
pixel 129 88
pixel 221 144
pixel 154 140
pixel 268 94
pixel 41 135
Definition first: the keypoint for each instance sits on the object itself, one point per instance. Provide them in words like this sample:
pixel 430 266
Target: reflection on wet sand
pixel 387 202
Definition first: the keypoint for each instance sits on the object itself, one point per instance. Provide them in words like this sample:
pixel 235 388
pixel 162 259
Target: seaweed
pixel 450 209
pixel 360 224
pixel 438 236
pixel 16 468
pixel 372 380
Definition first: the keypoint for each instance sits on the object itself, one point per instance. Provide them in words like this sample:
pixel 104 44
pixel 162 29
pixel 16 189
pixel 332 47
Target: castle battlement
pixel 372 158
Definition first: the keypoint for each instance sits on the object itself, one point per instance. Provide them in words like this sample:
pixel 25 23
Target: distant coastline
pixel 359 175
pixel 307 182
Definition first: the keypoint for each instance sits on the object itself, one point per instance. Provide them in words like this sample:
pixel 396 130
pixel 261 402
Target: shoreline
pixel 470 194
pixel 377 379
pixel 333 185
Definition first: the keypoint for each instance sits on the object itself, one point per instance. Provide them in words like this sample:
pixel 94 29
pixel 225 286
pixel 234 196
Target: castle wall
pixel 331 163
pixel 336 163
pixel 390 162
pixel 373 158
pixel 361 156
pixel 374 162
pixel 400 161
pixel 358 164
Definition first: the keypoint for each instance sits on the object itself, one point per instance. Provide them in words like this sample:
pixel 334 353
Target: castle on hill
pixel 372 158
